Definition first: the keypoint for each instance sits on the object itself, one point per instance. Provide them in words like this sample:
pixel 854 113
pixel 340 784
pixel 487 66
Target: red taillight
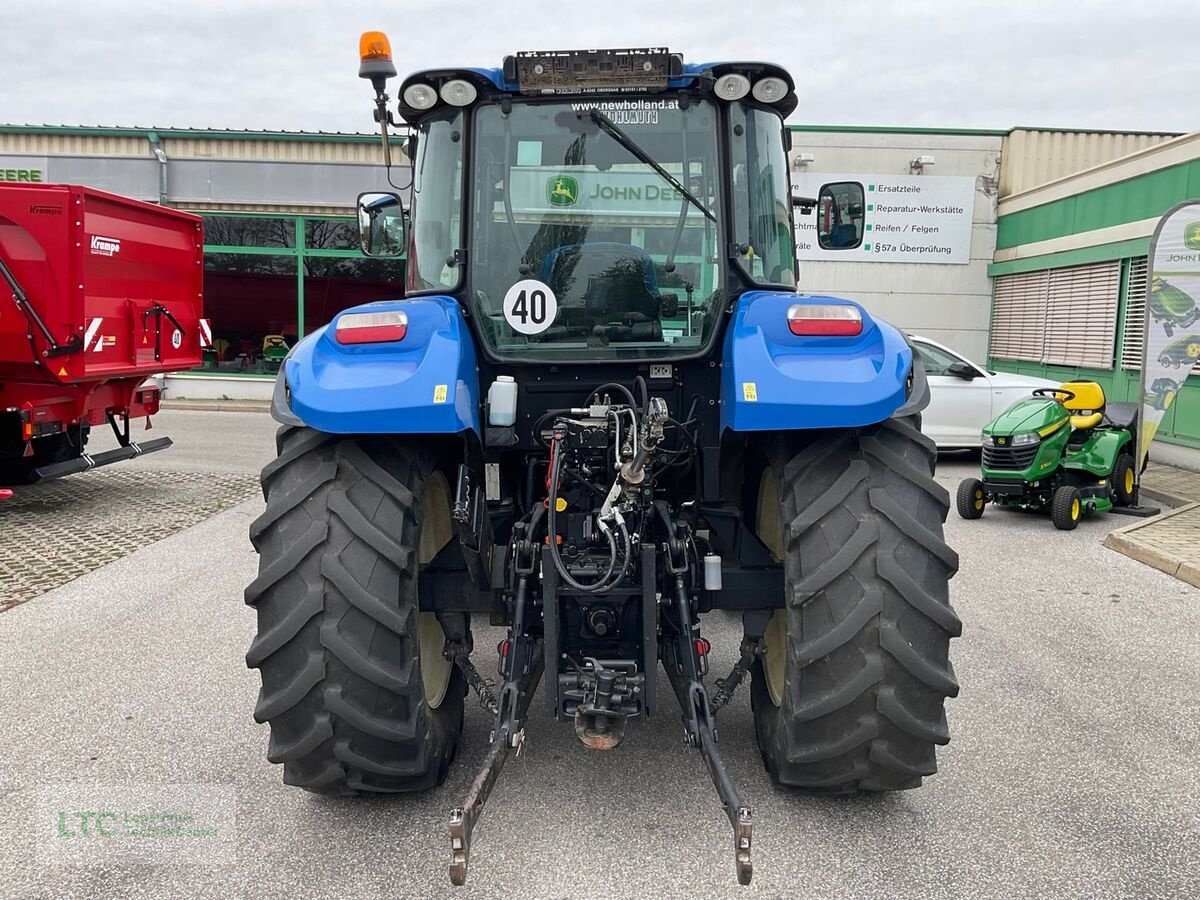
pixel 824 320
pixel 371 328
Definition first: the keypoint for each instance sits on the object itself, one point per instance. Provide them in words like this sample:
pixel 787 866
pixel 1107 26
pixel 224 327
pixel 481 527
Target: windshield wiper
pixel 629 144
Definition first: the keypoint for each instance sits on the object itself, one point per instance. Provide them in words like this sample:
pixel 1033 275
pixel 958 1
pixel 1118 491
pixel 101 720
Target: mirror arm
pixel 804 204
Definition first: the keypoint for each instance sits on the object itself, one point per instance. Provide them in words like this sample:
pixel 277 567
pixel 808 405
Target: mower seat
pixel 1087 406
pixel 1122 415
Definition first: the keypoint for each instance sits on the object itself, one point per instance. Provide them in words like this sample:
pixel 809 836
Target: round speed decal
pixel 177 339
pixel 530 306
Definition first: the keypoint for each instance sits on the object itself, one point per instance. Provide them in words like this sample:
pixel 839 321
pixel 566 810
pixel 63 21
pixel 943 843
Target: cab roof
pixel 497 82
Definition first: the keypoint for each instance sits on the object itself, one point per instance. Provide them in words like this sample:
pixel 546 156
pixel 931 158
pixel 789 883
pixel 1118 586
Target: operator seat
pixel 1087 406
pixel 607 283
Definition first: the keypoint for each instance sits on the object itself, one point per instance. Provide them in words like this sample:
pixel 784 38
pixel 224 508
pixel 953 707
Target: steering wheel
pixel 1055 392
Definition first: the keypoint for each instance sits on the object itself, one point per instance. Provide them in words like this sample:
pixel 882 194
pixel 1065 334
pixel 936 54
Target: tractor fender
pixel 1098 455
pixel 775 380
pixel 425 383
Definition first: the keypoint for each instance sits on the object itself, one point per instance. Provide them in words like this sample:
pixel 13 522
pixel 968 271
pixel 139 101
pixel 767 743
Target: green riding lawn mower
pixel 1063 450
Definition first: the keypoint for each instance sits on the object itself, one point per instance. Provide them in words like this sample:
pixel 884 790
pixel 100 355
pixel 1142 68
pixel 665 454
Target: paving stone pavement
pixel 54 532
pixel 1171 485
pixel 1169 542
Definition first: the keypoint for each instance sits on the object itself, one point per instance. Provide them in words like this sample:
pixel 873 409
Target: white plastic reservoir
pixel 502 401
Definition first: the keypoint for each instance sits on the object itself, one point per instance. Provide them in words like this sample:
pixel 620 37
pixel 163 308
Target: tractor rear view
pixel 97 294
pixel 602 412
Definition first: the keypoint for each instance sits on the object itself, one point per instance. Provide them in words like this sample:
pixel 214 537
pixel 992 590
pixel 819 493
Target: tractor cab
pixel 601 204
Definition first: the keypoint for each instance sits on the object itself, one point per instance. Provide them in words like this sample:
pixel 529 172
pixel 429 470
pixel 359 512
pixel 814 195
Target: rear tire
pixel 971 498
pixel 856 700
pixel 1066 508
pixel 353 702
pixel 1122 480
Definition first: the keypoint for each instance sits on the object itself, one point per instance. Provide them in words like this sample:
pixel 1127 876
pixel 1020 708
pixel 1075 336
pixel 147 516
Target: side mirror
pixel 840 215
pixel 381 224
pixel 960 369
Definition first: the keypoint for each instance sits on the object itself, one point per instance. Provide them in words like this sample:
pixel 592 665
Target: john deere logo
pixel 1001 441
pixel 562 190
pixel 1191 236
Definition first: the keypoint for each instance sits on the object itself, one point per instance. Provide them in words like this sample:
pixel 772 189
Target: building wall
pixel 208 170
pixel 1107 212
pixel 946 302
pixel 1035 156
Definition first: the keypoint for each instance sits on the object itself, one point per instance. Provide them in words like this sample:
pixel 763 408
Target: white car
pixel 963 396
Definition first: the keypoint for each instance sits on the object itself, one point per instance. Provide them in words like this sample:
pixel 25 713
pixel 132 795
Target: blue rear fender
pixel 774 380
pixel 425 383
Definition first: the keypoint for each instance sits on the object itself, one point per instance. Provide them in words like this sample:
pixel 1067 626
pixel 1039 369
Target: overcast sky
pixel 262 64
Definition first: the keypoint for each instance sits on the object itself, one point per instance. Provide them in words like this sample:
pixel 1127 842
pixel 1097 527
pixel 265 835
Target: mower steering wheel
pixel 1046 392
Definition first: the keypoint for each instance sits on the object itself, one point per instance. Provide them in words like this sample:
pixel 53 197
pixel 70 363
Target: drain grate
pixel 54 532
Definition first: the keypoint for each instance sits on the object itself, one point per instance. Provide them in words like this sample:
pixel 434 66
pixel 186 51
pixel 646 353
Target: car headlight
pixel 988 440
pixel 1024 440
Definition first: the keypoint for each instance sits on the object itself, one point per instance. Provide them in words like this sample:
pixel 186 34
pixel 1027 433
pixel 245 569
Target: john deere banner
pixel 1172 316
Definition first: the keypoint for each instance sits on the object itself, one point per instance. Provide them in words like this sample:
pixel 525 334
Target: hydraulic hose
pixel 607 580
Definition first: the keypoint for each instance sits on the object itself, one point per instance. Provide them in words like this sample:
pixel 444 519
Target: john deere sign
pixel 562 190
pixel 24 169
pixel 27 175
pixel 539 190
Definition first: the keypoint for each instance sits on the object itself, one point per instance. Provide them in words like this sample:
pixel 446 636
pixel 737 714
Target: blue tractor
pixel 600 412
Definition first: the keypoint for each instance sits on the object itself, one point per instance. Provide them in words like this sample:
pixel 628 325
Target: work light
pixel 420 96
pixel 769 89
pixel 458 92
pixel 732 87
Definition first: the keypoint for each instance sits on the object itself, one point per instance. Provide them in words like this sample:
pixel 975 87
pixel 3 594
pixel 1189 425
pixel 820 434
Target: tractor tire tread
pixel 337 644
pixel 869 617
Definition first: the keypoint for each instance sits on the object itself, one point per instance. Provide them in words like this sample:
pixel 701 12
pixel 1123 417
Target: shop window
pixel 334 284
pixel 254 297
pixel 248 298
pixel 330 234
pixel 249 231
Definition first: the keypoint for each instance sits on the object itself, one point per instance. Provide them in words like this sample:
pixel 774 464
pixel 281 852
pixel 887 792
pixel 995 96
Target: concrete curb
pixel 1125 540
pixel 219 405
pixel 1164 497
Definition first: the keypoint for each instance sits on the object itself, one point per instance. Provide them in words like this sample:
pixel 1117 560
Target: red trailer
pixel 102 293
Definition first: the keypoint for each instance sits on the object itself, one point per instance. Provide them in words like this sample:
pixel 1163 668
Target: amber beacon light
pixel 375 56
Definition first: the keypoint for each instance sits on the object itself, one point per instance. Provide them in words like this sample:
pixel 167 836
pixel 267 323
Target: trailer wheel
pixel 849 695
pixel 354 684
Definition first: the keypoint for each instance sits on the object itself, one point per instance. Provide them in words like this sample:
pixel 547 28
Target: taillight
pixel 371 328
pixel 827 320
